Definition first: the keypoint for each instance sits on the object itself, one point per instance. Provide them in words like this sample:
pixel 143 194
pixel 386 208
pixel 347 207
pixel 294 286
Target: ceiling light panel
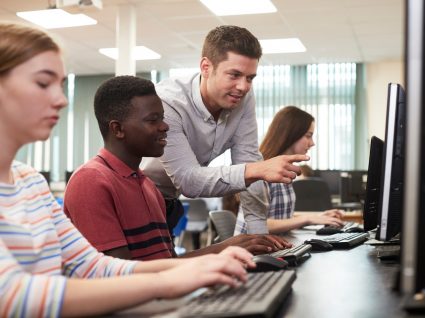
pixel 239 7
pixel 56 18
pixel 274 46
pixel 140 53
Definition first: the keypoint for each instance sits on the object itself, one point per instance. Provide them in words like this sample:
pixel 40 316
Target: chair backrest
pixel 197 215
pixel 312 195
pixel 224 222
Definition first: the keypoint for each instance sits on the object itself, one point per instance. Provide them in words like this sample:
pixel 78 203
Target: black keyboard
pixel 294 255
pixel 346 240
pixel 331 229
pixel 261 296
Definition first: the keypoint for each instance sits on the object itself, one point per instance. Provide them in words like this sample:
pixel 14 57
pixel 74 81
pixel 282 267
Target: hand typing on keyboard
pixel 187 275
pixel 329 217
pixel 258 243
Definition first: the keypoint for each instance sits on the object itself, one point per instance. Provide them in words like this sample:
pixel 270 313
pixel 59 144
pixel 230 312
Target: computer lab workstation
pixel 373 264
pixel 350 271
pixel 372 269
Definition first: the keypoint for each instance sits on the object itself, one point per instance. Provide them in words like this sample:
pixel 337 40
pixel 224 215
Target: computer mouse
pixel 319 245
pixel 354 229
pixel 329 230
pixel 267 263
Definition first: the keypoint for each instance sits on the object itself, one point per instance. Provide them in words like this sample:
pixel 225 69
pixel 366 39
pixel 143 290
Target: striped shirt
pixel 282 205
pixel 40 248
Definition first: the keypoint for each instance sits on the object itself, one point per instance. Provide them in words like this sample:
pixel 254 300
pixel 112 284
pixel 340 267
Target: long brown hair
pixel 19 43
pixel 288 125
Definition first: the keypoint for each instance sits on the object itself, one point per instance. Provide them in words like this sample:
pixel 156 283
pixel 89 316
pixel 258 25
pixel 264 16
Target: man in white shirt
pixel 209 113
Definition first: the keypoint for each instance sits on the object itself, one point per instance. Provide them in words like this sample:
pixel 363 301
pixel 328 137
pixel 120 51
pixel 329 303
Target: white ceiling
pixel 331 30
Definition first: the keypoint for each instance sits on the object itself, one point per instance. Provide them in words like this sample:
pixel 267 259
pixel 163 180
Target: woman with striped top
pixel 47 268
pixel 291 132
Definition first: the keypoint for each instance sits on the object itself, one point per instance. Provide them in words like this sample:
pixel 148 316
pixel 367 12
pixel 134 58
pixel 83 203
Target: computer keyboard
pixel 346 240
pixel 259 297
pixel 348 227
pixel 293 255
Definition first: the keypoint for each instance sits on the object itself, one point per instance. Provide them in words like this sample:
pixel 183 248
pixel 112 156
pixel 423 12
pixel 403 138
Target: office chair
pixel 224 222
pixel 197 220
pixel 312 195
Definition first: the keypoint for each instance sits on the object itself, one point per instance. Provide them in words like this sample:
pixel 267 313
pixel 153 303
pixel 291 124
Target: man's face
pixel 145 129
pixel 227 83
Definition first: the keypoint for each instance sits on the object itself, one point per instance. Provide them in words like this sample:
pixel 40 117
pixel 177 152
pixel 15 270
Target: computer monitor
pixel 352 186
pixel 391 195
pixel 413 244
pixel 373 184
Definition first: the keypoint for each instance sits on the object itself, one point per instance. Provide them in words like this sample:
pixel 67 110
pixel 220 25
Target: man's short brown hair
pixel 230 38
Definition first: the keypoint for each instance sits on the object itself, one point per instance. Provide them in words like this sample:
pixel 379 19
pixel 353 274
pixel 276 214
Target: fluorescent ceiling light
pixel 56 18
pixel 292 45
pixel 140 53
pixel 239 7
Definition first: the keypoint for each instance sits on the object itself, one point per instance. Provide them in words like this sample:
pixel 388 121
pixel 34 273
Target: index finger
pixel 298 158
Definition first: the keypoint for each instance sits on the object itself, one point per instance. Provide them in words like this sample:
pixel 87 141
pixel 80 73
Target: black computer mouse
pixel 267 263
pixel 319 245
pixel 354 229
pixel 329 230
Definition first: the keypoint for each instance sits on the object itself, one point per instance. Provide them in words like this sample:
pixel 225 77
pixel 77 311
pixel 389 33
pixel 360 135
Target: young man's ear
pixel 206 67
pixel 116 129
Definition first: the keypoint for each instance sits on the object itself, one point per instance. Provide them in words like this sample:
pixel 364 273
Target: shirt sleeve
pixel 79 258
pixel 90 204
pixel 188 176
pixel 26 295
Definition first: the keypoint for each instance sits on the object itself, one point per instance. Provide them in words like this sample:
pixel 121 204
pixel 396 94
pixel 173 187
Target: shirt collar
pixel 199 104
pixel 118 165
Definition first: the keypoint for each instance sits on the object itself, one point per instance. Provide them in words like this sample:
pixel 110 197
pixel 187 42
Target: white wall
pixel 378 76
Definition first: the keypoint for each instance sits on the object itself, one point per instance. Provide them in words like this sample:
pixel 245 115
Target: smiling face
pixel 224 86
pixel 303 145
pixel 145 129
pixel 31 96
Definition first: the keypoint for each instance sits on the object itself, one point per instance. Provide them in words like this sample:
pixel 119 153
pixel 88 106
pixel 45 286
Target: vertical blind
pixel 326 91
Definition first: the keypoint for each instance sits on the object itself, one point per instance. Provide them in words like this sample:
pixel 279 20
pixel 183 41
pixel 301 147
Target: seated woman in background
pixel 291 132
pixel 47 268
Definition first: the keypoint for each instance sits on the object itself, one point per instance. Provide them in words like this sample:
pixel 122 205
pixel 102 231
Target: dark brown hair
pixel 288 125
pixel 19 43
pixel 230 38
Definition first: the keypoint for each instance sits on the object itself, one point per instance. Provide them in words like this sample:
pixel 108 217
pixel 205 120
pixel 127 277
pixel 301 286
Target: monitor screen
pixel 373 184
pixel 353 186
pixel 391 195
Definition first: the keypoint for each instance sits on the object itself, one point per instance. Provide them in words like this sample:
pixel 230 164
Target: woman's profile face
pixel 31 96
pixel 303 145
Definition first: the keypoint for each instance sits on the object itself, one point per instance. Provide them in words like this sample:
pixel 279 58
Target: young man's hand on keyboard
pixel 258 243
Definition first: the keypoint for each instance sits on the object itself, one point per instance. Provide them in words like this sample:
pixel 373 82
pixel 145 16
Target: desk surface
pixel 343 283
pixel 338 283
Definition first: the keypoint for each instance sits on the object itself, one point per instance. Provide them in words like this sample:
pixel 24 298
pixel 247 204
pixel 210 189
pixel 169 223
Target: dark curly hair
pixel 113 99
